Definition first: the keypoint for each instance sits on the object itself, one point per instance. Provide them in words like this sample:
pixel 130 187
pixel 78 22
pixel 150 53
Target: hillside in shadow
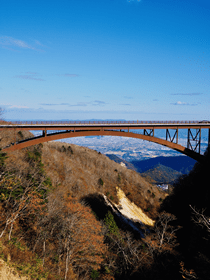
pixel 190 203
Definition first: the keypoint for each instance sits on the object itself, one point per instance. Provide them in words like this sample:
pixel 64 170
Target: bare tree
pixel 201 219
pixel 19 198
pixel 163 238
pixel 71 232
pixel 188 274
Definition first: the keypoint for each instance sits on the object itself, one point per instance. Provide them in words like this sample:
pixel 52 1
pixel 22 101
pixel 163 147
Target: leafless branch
pixel 201 219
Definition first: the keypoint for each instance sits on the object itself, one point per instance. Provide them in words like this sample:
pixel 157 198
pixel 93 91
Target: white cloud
pixel 180 103
pixel 183 103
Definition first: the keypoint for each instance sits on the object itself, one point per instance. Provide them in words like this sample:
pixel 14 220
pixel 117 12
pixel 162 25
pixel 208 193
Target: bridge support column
pixel 44 133
pixel 209 139
pixel 171 138
pixel 196 146
pixel 149 132
pixel 14 137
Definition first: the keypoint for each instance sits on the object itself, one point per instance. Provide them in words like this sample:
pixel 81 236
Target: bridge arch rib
pixel 63 135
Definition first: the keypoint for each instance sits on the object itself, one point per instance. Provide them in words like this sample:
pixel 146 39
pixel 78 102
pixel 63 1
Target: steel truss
pixel 170 137
pixel 149 132
pixel 194 141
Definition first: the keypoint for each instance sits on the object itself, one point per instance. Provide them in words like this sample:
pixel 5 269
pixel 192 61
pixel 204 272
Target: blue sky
pixel 107 59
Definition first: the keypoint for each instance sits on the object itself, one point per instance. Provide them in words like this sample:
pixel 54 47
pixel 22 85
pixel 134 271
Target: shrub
pixel 63 149
pixel 101 182
pixel 20 134
pixel 94 274
pixel 69 149
pixel 111 224
pixel 3 157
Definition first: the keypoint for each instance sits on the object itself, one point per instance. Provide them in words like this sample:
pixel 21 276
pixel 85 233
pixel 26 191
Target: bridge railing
pixel 100 122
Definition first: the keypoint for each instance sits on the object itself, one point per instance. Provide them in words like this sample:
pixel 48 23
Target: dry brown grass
pixel 8 136
pixel 84 171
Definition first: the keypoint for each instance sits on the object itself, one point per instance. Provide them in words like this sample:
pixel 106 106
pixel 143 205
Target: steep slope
pixel 190 203
pixel 82 171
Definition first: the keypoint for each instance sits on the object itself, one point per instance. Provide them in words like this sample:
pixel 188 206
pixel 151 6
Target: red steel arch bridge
pixel 55 130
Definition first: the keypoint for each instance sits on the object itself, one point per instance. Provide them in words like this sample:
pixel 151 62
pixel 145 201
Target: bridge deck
pixel 110 125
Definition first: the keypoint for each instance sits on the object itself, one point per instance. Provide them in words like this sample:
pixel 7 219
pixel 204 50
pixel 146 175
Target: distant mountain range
pixel 160 169
pixel 181 164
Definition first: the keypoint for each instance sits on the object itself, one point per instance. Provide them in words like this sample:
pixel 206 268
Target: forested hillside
pixel 60 217
pixel 161 174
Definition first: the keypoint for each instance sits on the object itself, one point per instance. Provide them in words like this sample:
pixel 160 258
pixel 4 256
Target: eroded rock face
pixel 8 273
pixel 131 211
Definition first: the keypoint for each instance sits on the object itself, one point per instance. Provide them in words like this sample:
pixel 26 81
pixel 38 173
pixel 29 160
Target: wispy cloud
pixel 184 103
pixel 78 104
pixel 133 1
pixel 68 75
pixel 11 106
pixel 30 76
pixel 81 104
pixel 9 41
pixel 189 94
pixel 99 103
pixel 14 44
pixel 49 104
pixel 64 104
pixel 39 43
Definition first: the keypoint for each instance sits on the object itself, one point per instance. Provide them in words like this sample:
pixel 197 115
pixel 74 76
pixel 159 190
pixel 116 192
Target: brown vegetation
pixel 82 171
pixel 48 231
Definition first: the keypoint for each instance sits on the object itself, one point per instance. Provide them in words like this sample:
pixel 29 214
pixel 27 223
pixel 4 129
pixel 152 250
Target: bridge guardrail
pixel 98 122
